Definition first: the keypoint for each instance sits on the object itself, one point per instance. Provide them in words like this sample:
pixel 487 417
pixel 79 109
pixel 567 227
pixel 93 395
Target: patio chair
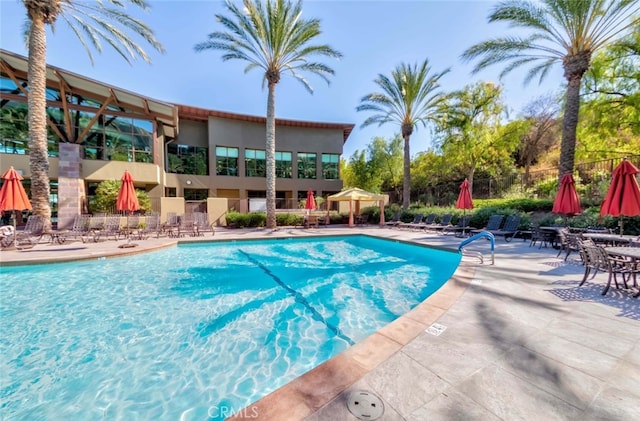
pixel 311 221
pixel 445 222
pixel 510 228
pixel 600 260
pixel 31 234
pixel 568 242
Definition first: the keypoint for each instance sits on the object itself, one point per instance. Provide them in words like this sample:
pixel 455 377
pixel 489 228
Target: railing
pixel 445 194
pixel 483 234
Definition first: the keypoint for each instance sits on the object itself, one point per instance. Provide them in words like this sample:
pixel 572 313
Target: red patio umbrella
pixel 567 201
pixel 127 198
pixel 311 201
pixel 464 201
pixel 12 194
pixel 623 197
pixel 464 197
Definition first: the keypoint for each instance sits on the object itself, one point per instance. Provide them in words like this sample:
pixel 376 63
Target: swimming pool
pixel 181 331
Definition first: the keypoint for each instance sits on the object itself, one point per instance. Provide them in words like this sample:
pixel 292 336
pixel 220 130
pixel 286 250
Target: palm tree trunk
pixel 270 155
pixel 38 157
pixel 570 125
pixel 406 183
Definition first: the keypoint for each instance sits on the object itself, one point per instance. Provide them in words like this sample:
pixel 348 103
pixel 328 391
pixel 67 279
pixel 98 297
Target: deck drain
pixel 365 405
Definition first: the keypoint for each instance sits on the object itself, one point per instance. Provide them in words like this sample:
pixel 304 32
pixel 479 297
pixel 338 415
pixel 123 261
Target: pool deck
pixel 518 340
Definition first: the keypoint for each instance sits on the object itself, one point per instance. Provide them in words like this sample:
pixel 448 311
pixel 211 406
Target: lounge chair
pixel 417 218
pixel 203 224
pixel 445 222
pixel 31 234
pixel 394 221
pixel 426 221
pixel 460 228
pixel 79 228
pixel 510 228
pixel 494 223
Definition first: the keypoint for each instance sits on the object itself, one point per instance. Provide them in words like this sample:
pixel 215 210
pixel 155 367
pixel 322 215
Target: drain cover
pixel 365 405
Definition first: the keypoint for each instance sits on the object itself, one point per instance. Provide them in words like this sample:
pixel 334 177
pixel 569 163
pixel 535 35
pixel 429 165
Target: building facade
pixel 182 156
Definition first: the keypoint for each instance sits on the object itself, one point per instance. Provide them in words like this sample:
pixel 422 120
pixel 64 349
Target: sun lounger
pixel 460 228
pixel 395 221
pixel 416 220
pixel 445 222
pixel 494 223
pixel 31 234
pixel 510 228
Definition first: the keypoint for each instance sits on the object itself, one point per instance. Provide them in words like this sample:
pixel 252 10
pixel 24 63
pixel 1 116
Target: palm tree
pixel 409 97
pixel 276 39
pixel 93 23
pixel 565 31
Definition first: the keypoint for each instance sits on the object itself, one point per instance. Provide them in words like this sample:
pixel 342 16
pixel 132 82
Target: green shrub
pixel 288 219
pixel 523 205
pixel 246 220
pixel 107 194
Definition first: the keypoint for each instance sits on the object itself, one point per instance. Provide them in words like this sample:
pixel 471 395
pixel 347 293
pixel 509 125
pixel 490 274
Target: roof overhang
pixel 163 112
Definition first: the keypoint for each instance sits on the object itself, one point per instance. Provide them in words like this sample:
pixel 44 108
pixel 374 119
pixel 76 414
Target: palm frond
pixel 272 36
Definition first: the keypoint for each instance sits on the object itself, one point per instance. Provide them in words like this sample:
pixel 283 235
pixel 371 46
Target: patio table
pixel 631 252
pixel 611 238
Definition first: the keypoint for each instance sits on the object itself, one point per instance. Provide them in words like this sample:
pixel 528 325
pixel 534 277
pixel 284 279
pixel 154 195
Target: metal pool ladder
pixel 482 234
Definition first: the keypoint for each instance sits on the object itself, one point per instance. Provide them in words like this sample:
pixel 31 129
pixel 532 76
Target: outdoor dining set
pixel 614 254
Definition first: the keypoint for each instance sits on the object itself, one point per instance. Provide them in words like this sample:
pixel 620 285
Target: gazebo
pixel 357 195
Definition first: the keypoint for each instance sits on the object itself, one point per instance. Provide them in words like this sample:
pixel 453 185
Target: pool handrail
pixel 482 234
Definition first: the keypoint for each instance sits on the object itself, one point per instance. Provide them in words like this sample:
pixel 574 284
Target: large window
pixel 116 138
pixel 14 130
pixel 307 165
pixel 284 167
pixel 330 166
pixel 226 161
pixel 185 159
pixel 115 135
pixel 255 163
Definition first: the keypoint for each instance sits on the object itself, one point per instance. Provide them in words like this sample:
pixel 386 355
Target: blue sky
pixel 373 36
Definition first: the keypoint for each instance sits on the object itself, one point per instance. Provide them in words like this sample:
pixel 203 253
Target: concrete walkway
pixel 521 341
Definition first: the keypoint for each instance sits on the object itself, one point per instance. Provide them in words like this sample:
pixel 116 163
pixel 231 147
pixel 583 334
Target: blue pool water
pixel 183 332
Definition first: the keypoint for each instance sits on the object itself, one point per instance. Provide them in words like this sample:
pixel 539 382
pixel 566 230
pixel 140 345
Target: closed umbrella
pixel 567 201
pixel 127 198
pixel 464 201
pixel 311 201
pixel 12 195
pixel 623 197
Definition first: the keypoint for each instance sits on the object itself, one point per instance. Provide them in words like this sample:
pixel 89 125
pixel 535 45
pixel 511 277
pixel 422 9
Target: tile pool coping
pixel 309 392
pixel 306 394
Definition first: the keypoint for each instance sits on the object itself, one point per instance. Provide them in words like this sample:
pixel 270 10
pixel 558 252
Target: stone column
pixel 71 189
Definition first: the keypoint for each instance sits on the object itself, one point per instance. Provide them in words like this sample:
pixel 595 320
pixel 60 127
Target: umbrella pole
pixel 621 225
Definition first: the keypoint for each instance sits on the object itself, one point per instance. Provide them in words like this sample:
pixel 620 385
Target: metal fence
pixel 539 184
